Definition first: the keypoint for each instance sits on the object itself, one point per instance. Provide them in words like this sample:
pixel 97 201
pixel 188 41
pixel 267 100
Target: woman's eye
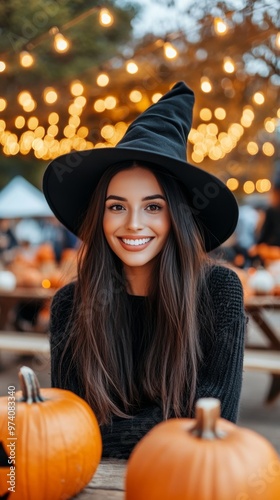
pixel 116 208
pixel 153 208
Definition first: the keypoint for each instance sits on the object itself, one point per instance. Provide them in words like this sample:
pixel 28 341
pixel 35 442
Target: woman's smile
pixel 135 245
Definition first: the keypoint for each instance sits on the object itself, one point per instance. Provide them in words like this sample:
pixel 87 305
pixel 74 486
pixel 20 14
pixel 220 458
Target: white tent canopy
pixel 20 199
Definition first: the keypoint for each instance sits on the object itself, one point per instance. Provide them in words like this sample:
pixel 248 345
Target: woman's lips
pixel 139 243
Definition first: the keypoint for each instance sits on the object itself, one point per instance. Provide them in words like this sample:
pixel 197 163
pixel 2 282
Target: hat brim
pixel 70 180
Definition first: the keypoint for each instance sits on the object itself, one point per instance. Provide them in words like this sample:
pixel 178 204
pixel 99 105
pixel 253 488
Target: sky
pixel 156 17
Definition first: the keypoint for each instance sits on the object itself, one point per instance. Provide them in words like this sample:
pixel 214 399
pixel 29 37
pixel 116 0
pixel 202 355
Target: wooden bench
pixel 262 360
pixel 24 343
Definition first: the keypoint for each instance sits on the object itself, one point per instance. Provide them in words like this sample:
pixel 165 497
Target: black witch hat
pixel 157 136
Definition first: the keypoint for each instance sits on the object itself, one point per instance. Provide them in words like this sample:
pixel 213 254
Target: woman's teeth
pixel 136 242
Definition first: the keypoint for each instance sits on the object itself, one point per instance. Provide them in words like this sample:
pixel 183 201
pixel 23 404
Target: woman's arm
pixel 221 372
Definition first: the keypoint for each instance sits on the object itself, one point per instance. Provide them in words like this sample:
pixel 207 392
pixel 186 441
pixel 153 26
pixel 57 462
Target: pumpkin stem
pixel 29 386
pixel 207 412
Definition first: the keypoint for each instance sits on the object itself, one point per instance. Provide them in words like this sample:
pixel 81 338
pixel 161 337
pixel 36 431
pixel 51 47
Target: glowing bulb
pixel 258 98
pixel 76 88
pixel 53 118
pixel 205 84
pixel 135 96
pixel 102 80
pixel 156 97
pixel 24 98
pixel 19 122
pixel 110 102
pixel 26 59
pixel 220 26
pixel 33 122
pixel 269 125
pixel 105 17
pixel 229 66
pixel 99 105
pixel 232 183
pixel 277 40
pixel 50 95
pixel 252 148
pixel 268 149
pixel 205 114
pixel 220 113
pixel 248 187
pixel 61 44
pixel 169 51
pixel 131 67
pixel 3 104
pixel 2 66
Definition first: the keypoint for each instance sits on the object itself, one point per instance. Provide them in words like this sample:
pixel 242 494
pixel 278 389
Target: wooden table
pixel 108 483
pixel 8 300
pixel 256 307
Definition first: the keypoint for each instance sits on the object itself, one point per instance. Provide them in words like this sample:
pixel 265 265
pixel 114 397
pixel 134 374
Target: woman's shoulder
pixel 224 284
pixel 220 274
pixel 64 295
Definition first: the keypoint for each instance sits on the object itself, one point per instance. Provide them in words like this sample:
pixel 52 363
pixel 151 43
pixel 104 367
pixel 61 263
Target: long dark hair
pixel 100 325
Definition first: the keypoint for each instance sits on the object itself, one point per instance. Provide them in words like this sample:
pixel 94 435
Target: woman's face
pixel 136 220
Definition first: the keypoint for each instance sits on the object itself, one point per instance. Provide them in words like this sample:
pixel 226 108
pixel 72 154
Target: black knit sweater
pixel 219 376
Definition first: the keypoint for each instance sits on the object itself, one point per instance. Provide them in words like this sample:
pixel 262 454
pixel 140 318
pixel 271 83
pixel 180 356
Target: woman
pixel 151 324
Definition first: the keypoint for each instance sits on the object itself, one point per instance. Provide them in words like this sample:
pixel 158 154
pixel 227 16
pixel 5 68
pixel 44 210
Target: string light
pixel 135 96
pixel 248 187
pixel 229 65
pixel 19 122
pixel 205 84
pixel 24 98
pixel 252 148
pixel 263 185
pixel 232 183
pixel 3 104
pixel 99 106
pixel 105 18
pixel 32 122
pixel 26 59
pixel 269 125
pixel 258 98
pixel 61 44
pixel 76 88
pixel 268 149
pixel 110 102
pixel 131 67
pixel 156 97
pixel 2 66
pixel 50 95
pixel 205 114
pixel 169 51
pixel 220 113
pixel 102 80
pixel 220 26
pixel 277 40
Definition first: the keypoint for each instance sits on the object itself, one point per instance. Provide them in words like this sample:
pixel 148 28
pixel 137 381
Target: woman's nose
pixel 134 220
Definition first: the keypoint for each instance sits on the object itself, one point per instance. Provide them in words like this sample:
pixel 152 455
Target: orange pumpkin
pixel 45 253
pixel 50 442
pixel 210 459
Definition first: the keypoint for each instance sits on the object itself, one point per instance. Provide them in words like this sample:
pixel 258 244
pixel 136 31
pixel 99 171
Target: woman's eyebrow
pixel 151 197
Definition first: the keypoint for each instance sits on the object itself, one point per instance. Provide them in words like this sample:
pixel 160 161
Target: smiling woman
pixel 152 323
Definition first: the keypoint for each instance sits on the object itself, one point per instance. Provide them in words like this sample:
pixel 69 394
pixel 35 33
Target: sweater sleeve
pixel 221 372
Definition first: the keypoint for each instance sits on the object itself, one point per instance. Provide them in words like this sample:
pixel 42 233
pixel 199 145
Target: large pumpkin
pixel 50 442
pixel 210 459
